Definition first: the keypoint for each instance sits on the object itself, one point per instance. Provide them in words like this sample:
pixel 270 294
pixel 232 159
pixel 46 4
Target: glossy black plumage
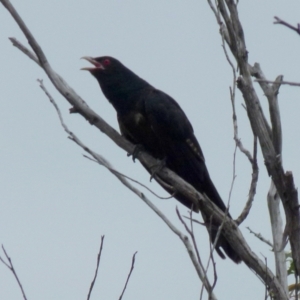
pixel 151 118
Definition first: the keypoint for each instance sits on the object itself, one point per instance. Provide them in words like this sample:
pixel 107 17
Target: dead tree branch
pixel 10 266
pixel 253 184
pixel 260 237
pixel 128 277
pixel 284 23
pixel 230 229
pixel 269 137
pixel 238 142
pixel 102 161
pixel 97 268
pixel 282 82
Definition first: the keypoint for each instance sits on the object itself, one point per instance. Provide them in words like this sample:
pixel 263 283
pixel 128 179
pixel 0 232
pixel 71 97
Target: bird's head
pixel 104 66
pixel 111 73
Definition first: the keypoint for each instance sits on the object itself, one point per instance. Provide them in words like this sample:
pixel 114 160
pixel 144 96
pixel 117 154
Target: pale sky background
pixel 55 204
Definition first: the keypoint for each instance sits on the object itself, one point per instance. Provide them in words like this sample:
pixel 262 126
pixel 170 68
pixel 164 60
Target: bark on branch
pixel 269 137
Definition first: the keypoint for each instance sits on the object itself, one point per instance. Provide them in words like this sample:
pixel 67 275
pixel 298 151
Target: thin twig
pixel 214 269
pixel 233 175
pixel 25 50
pixel 211 255
pixel 131 269
pixel 284 23
pixel 223 29
pixel 266 286
pixel 10 266
pixel 234 116
pixel 238 141
pixel 240 145
pixel 260 237
pixel 195 221
pixel 191 233
pixel 282 82
pixel 232 98
pixel 211 259
pixel 97 267
pixel 252 190
pixel 133 180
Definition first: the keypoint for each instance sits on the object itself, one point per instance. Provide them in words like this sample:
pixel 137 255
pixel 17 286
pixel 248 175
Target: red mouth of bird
pixel 97 65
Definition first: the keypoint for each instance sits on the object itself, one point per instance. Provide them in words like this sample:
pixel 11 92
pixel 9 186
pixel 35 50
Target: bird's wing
pixel 183 153
pixel 125 132
pixel 169 122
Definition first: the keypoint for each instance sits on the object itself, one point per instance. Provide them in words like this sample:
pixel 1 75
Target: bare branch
pixel 128 277
pixel 270 140
pixel 281 22
pixel 212 246
pixel 232 97
pixel 238 141
pixel 191 233
pixel 276 225
pixel 239 144
pixel 275 115
pixel 97 267
pixel 214 267
pixel 133 180
pixel 260 126
pixel 233 176
pixel 25 50
pixel 10 266
pixel 195 221
pixel 106 164
pixel 271 92
pixel 223 29
pixel 205 282
pixel 253 184
pixel 282 82
pixel 260 237
pixel 266 287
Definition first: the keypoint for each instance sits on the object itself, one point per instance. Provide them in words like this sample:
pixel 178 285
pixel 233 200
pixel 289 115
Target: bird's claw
pixel 157 167
pixel 137 149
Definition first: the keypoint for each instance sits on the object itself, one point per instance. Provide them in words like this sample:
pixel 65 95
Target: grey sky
pixel 55 204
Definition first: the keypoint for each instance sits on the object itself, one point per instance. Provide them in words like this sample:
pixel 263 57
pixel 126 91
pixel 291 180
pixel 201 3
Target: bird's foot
pixel 157 167
pixel 137 149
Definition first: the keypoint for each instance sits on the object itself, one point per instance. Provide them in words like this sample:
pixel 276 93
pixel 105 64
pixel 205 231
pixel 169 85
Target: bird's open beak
pixel 96 64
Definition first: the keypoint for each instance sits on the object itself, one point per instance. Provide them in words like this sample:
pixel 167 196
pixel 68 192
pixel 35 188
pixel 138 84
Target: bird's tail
pixel 221 242
pixel 230 252
pixel 211 227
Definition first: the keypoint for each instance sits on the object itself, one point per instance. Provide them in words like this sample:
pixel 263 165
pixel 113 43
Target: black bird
pixel 153 120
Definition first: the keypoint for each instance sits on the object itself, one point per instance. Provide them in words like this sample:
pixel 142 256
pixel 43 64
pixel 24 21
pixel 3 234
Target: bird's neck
pixel 124 95
pixel 125 100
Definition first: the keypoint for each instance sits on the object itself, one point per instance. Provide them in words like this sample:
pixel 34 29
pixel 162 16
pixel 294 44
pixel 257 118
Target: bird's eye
pixel 106 62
